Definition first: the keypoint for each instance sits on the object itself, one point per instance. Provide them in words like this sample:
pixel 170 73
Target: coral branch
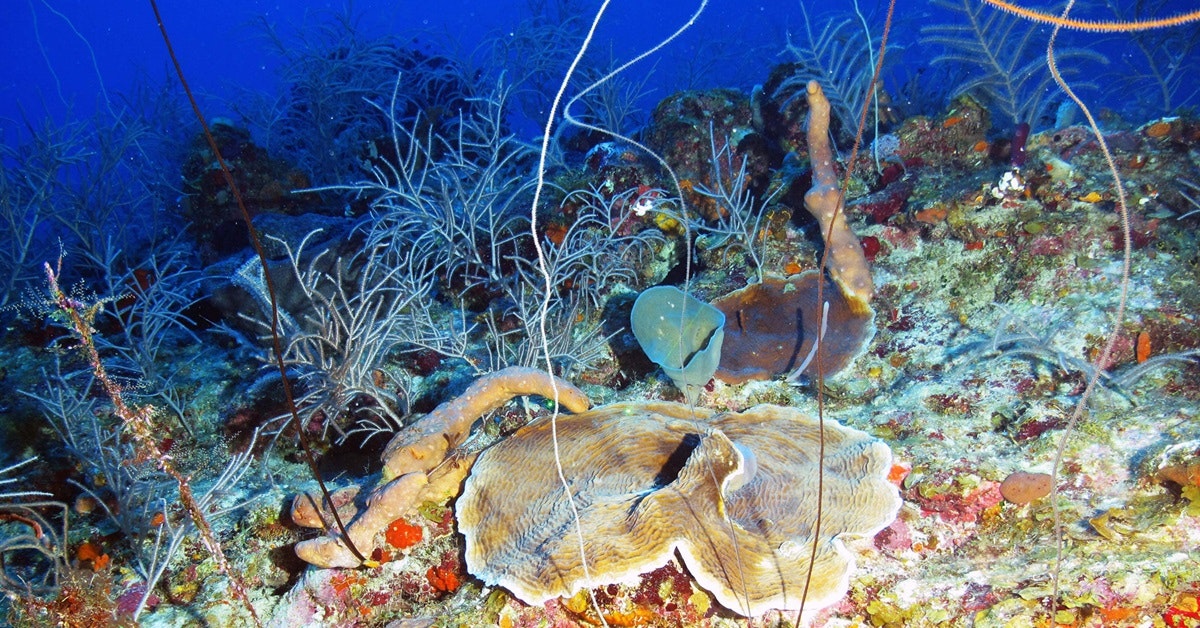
pixel 1095 26
pixel 416 468
pixel 423 445
pixel 847 263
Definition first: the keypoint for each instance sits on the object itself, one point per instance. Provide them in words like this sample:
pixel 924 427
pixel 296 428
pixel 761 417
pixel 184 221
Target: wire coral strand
pixel 817 347
pixel 684 222
pixel 683 219
pixel 537 243
pixel 270 285
pixel 1096 26
pixel 544 310
pixel 1119 317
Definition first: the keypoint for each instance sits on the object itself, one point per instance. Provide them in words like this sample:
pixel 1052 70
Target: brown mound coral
pixel 771 328
pixel 734 493
pixel 1022 487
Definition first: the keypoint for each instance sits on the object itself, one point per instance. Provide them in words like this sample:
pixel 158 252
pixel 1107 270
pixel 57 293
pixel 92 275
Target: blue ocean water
pixel 68 56
pixel 71 53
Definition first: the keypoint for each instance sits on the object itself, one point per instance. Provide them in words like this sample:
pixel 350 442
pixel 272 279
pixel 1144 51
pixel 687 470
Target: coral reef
pixel 267 183
pixel 979 243
pixel 681 129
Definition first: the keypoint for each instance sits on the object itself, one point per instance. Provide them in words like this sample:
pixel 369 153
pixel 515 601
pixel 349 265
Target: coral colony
pixel 883 340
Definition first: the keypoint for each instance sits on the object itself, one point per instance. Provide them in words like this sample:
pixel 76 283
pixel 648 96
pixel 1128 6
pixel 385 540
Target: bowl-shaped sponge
pixel 681 334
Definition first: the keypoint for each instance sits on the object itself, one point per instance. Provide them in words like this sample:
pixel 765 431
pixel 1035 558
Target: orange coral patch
pixel 1158 129
pixel 380 556
pixel 401 534
pixel 443 578
pixel 932 215
pixel 1143 347
pixel 899 471
pixel 556 233
pixel 87 551
pixel 90 552
pixel 342 581
pixel 636 617
pixel 1117 614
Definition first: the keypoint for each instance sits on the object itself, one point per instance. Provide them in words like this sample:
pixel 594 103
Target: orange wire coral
pixel 1094 25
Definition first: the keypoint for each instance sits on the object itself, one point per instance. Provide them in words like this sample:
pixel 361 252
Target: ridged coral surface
pixel 651 479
